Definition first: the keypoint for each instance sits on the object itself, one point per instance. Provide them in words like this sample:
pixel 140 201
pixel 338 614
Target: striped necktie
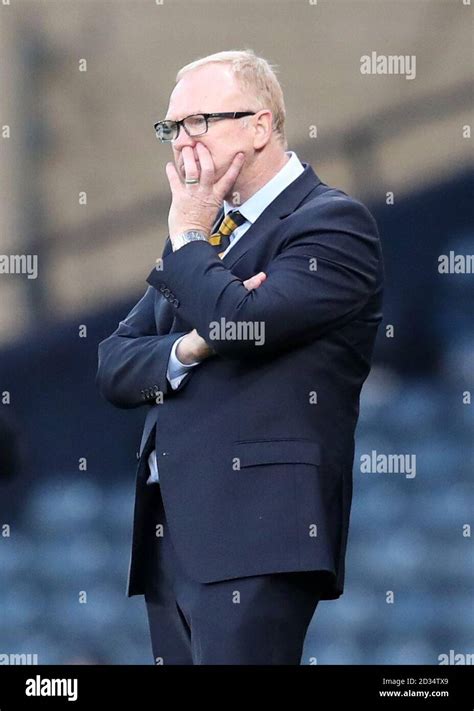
pixel 221 238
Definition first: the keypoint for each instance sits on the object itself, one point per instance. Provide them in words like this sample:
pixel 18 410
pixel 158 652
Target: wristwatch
pixel 188 236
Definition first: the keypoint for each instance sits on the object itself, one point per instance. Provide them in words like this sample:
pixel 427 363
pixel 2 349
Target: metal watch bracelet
pixel 188 236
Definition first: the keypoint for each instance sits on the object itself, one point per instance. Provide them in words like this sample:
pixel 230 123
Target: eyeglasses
pixel 194 125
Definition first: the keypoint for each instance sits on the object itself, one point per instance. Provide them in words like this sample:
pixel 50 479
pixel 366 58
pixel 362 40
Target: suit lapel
pixel 284 204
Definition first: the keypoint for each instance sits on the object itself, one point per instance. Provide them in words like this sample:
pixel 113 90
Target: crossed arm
pixel 324 275
pixel 133 361
pixel 136 363
pixel 321 279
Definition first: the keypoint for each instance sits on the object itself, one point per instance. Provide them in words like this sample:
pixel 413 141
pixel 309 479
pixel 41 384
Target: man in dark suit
pixel 249 350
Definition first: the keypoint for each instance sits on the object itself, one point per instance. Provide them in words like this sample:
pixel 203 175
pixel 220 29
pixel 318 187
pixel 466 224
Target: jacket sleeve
pixel 133 361
pixel 327 270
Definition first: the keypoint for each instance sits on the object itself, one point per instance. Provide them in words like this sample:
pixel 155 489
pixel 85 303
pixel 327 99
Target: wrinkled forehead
pixel 206 89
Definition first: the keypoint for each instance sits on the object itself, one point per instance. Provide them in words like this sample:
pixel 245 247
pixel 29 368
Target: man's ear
pixel 263 129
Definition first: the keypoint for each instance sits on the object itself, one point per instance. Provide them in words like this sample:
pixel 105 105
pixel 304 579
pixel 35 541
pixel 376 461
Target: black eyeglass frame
pixel 218 115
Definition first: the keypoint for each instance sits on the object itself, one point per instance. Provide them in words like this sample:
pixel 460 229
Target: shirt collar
pixel 253 207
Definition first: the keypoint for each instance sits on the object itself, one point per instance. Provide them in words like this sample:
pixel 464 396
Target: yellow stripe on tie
pixel 221 238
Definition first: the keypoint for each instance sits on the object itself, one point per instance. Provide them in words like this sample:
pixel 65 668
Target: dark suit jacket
pixel 255 448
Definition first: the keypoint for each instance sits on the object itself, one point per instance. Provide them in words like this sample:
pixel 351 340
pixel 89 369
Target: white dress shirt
pixel 251 209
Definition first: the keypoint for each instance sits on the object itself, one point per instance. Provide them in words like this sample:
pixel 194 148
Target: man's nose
pixel 183 140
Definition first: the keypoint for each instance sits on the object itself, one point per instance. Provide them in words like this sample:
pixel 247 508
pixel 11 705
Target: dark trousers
pixel 261 619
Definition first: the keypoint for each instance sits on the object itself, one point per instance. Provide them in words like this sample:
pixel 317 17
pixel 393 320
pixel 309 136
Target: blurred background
pixel 83 187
